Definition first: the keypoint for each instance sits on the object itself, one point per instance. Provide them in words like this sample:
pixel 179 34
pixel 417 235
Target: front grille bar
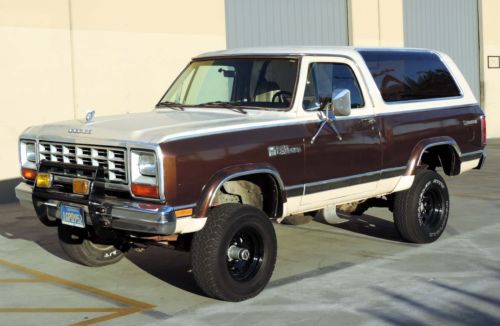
pixel 112 160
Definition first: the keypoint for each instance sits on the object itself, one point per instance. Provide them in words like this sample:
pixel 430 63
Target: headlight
pixel 144 174
pixel 147 164
pixel 27 155
pixel 31 152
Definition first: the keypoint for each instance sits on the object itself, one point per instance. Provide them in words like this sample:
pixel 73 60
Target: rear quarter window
pixel 409 76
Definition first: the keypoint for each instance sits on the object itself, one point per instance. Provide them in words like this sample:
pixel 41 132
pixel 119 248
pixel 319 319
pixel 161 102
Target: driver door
pixel 345 166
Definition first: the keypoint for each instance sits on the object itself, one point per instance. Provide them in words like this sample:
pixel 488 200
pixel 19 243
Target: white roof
pixel 300 50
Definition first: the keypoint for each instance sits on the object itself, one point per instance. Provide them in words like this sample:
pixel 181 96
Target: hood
pixel 150 127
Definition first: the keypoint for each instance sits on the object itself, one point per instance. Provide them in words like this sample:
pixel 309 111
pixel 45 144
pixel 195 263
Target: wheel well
pixel 258 190
pixel 444 156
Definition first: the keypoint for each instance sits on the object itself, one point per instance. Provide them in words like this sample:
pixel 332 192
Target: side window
pixel 324 78
pixel 407 76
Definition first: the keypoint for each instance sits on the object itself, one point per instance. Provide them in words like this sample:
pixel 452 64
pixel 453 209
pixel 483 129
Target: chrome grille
pixel 111 159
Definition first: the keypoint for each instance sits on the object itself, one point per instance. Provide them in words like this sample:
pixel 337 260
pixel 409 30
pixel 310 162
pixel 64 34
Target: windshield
pixel 249 82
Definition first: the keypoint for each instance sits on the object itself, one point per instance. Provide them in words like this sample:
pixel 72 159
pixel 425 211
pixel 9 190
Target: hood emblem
pixel 79 131
pixel 89 116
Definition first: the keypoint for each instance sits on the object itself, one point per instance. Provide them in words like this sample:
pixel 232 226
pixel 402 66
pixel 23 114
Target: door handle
pixel 369 121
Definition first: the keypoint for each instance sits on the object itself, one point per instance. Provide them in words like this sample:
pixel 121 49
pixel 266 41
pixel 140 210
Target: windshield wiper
pixel 227 105
pixel 170 105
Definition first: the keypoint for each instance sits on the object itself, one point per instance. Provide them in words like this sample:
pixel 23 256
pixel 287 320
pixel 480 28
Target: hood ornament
pixel 89 116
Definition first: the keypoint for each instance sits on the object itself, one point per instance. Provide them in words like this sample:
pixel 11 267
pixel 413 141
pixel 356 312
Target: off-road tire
pixel 214 273
pixel 421 212
pixel 77 245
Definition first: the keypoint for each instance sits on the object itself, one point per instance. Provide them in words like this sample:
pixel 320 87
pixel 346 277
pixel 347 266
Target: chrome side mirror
pixel 341 102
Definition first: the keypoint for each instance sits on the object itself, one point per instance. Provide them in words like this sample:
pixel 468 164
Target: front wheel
pixel 82 248
pixel 421 212
pixel 233 256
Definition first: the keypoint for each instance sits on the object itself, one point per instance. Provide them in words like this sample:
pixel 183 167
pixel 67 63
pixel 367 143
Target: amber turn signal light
pixel 148 191
pixel 184 212
pixel 43 180
pixel 81 186
pixel 28 174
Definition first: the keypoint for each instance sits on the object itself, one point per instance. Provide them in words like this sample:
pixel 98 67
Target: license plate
pixel 71 215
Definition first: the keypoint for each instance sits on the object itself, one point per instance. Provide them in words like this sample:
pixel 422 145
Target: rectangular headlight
pixel 28 154
pixel 147 164
pixel 144 174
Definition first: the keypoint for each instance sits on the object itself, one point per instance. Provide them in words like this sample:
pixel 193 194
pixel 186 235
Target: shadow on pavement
pixel 17 222
pixel 170 266
pixel 367 225
pixel 456 313
pixel 7 193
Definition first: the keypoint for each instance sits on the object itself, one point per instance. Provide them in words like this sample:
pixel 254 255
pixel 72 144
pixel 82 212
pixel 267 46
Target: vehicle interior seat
pixel 265 91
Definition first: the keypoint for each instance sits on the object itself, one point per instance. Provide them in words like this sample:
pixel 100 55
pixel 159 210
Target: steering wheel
pixel 283 97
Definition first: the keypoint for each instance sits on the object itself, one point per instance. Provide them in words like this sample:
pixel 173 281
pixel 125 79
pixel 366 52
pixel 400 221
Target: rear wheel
pixel 233 256
pixel 421 212
pixel 81 247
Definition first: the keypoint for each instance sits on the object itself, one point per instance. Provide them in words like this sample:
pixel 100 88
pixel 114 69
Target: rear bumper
pixel 120 214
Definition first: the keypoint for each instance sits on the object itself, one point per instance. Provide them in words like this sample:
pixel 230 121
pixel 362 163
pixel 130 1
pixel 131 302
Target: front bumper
pixel 120 214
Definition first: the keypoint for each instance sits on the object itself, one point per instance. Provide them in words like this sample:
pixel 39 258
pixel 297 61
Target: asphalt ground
pixel 355 272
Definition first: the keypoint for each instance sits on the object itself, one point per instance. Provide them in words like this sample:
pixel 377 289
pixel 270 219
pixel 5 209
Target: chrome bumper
pixel 125 215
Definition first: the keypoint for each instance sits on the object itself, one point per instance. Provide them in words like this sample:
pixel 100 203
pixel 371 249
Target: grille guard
pixel 99 211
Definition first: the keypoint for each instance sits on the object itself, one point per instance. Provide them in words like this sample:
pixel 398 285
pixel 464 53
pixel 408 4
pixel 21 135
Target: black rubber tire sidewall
pixel 209 251
pixel 406 217
pixel 77 245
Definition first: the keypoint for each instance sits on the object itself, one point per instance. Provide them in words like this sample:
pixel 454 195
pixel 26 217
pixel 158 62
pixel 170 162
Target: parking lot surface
pixel 355 272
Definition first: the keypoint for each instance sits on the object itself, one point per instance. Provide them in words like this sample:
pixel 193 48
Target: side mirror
pixel 341 102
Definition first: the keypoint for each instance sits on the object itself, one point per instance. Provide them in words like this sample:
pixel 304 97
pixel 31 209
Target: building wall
pixel 286 22
pixel 376 23
pixel 61 58
pixel 490 77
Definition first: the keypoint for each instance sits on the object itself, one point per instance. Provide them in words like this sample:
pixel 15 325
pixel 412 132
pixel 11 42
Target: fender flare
pixel 215 183
pixel 419 149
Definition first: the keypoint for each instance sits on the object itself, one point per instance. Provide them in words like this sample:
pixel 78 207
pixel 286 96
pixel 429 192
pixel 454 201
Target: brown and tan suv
pixel 244 137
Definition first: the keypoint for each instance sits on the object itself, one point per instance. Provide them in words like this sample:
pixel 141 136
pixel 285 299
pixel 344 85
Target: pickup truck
pixel 247 137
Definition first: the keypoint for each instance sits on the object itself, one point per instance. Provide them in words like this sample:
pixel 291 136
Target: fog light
pixel 44 180
pixel 81 186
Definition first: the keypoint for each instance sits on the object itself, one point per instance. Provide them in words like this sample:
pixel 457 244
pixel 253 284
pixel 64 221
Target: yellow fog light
pixel 44 180
pixel 81 186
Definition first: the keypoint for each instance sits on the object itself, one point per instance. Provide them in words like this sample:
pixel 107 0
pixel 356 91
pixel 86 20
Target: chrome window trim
pixel 249 56
pixel 309 66
pixel 358 70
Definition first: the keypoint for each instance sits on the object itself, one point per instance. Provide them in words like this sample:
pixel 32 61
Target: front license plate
pixel 73 216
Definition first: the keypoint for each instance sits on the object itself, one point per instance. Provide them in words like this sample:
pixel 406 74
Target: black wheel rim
pixel 249 239
pixel 431 208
